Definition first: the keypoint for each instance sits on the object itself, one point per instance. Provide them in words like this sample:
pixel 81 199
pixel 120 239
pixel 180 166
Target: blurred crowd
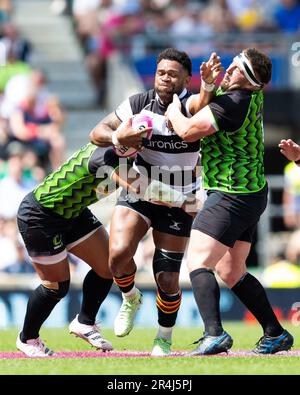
pixel 284 269
pixel 31 138
pixel 139 26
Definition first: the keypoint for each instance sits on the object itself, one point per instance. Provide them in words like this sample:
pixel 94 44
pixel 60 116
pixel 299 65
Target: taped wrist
pixel 207 87
pixel 157 191
pixel 114 138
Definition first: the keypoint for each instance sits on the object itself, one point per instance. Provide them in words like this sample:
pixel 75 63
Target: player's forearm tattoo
pixel 112 121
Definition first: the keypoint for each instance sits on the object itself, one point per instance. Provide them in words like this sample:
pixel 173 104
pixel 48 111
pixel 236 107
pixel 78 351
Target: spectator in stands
pixel 291 192
pixel 23 264
pixel 3 138
pixel 252 15
pixel 14 93
pixel 284 271
pixel 5 10
pixel 9 253
pixel 158 6
pixel 103 33
pixel 115 32
pixel 293 247
pixel 13 254
pixel 267 10
pixel 18 88
pixel 39 128
pixel 20 47
pixel 13 187
pixel 217 14
pixel 88 21
pixel 287 16
pixel 190 22
pixel 58 7
pixel 157 23
pixel 32 173
pixel 12 67
pixel 291 196
pixel 85 14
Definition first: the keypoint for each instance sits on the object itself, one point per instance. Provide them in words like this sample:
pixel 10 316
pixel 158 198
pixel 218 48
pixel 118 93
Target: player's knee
pixel 168 282
pixel 229 277
pixel 56 290
pixel 119 256
pixel 166 268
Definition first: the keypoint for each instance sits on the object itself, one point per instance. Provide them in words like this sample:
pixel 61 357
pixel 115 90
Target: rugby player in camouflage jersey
pixel 232 151
pixel 54 220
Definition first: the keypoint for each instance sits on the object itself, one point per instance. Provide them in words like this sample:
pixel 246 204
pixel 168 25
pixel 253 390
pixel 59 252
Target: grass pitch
pixel 140 340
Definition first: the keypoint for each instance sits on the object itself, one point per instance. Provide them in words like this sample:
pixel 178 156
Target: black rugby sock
pixel 252 294
pixel 207 295
pixel 167 306
pixel 126 282
pixel 39 307
pixel 95 290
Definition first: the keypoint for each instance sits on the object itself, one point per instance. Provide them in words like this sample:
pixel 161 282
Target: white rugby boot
pixel 91 334
pixel 124 321
pixel 34 348
pixel 161 347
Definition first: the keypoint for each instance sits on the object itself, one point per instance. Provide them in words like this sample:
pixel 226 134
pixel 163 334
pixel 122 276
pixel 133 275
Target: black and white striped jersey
pixel 165 156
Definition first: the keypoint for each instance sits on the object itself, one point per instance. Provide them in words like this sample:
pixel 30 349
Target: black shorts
pixel 46 233
pixel 173 221
pixel 230 217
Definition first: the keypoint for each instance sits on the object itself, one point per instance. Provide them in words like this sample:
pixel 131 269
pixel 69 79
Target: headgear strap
pixel 246 67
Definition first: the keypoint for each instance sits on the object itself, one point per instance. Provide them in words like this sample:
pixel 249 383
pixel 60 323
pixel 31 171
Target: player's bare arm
pixel 209 72
pixel 290 150
pixel 155 192
pixel 110 131
pixel 190 129
pixel 102 133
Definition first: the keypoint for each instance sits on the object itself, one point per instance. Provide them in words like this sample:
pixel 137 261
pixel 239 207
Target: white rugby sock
pixel 164 332
pixel 130 294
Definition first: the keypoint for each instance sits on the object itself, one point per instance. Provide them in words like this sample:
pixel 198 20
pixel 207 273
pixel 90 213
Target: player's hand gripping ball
pixel 139 123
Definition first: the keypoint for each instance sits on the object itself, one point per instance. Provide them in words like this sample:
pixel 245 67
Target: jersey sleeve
pixel 187 104
pixel 103 158
pixel 124 111
pixel 134 105
pixel 229 112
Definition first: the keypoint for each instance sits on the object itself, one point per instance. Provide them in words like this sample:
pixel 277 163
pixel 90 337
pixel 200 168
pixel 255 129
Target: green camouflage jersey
pixel 73 186
pixel 233 157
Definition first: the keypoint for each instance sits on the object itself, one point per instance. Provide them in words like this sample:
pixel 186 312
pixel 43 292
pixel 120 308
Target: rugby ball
pixel 139 122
